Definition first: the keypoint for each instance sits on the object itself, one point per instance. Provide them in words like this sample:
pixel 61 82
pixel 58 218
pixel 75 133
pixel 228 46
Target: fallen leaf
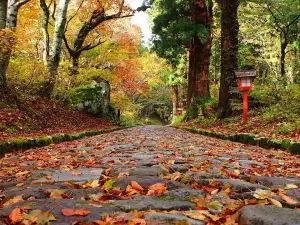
pixel 68 212
pixel 40 217
pixel 16 216
pixel 275 202
pixel 14 200
pixel 76 173
pixel 157 189
pixel 215 205
pixel 287 198
pixel 137 221
pixel 48 177
pixel 291 186
pixel 19 174
pixel 197 215
pixel 57 193
pixel 77 212
pixel 263 194
pixel 136 186
pixel 252 179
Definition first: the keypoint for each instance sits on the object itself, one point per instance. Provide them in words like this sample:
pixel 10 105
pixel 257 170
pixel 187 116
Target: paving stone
pixel 86 174
pixel 184 194
pixel 276 181
pixel 237 185
pixel 268 215
pixel 58 204
pixel 81 149
pixel 147 171
pixel 245 163
pixel 163 219
pixel 146 181
pixel 155 203
pixel 202 175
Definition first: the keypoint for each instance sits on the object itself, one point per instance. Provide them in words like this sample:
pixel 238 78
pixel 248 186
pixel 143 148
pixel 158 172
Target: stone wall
pixel 93 99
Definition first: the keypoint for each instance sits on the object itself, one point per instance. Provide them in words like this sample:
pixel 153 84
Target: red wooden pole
pixel 245 106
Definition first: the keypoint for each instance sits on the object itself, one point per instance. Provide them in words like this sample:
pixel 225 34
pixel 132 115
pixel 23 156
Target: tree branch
pixel 71 51
pixel 293 21
pixel 54 10
pixel 72 17
pixel 268 8
pixel 21 3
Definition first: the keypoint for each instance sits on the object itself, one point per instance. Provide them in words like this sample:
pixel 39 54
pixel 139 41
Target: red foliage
pixel 50 118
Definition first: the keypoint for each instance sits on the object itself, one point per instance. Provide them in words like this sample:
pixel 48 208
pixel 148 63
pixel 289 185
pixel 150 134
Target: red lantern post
pixel 245 83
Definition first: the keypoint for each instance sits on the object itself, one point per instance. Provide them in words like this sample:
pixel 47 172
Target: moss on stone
pixel 250 139
pixel 23 144
pixel 295 148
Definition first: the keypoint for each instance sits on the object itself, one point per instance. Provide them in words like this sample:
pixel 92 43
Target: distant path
pixel 214 177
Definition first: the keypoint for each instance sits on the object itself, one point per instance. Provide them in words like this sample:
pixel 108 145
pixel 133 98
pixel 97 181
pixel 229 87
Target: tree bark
pixel 283 46
pixel 215 66
pixel 202 48
pixel 8 19
pixel 3 17
pixel 229 54
pixel 175 100
pixel 191 72
pixel 52 59
pixel 199 53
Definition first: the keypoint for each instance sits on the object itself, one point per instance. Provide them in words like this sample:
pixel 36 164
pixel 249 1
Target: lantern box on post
pixel 245 83
pixel 245 79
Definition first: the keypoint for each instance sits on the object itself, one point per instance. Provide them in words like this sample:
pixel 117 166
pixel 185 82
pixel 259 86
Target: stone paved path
pixel 150 175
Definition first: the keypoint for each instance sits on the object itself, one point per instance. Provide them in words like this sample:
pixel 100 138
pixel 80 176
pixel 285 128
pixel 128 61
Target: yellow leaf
pixel 197 215
pixel 275 202
pixel 14 200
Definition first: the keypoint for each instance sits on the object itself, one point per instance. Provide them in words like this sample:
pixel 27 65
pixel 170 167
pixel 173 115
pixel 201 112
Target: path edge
pixel 283 144
pixel 12 145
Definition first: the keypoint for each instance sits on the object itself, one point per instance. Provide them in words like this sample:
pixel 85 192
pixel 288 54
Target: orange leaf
pixel 77 212
pixel 214 191
pixel 48 177
pixel 75 173
pixel 287 198
pixel 136 186
pixel 137 221
pixel 33 219
pixel 82 212
pixel 68 212
pixel 252 179
pixel 157 189
pixel 16 216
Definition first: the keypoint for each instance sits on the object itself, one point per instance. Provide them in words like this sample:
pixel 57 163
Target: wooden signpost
pixel 245 84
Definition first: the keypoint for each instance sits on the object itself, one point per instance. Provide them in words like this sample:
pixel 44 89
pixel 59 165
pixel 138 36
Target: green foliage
pixel 178 119
pixel 286 128
pixel 174 29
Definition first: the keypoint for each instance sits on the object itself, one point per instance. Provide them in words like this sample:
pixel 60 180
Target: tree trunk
pixel 229 54
pixel 3 57
pixel 200 51
pixel 215 65
pixel 283 46
pixel 191 72
pixel 52 60
pixel 202 48
pixel 175 100
pixel 202 61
